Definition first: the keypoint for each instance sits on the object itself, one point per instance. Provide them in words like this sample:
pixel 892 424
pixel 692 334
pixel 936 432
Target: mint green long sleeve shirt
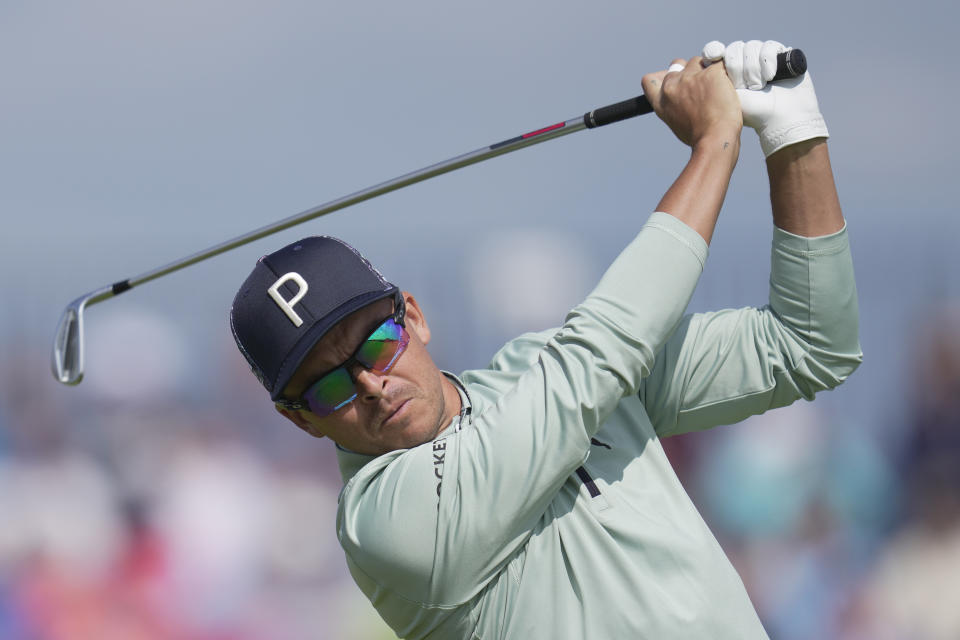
pixel 548 509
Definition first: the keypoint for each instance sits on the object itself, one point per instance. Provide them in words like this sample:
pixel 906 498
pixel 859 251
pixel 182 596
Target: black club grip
pixel 790 64
pixel 617 112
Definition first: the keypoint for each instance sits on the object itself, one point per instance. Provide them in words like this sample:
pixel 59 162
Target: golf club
pixel 67 358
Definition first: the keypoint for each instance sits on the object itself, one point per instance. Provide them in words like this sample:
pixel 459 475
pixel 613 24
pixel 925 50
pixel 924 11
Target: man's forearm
pixel 802 190
pixel 697 194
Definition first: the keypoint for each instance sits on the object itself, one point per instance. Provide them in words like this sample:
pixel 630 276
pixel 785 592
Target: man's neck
pixel 452 404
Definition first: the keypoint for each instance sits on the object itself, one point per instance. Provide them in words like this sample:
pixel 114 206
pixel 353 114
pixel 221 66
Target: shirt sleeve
pixel 721 367
pixel 441 544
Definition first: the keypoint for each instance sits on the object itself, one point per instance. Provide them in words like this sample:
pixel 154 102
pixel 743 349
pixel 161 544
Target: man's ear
pixel 297 418
pixel 416 322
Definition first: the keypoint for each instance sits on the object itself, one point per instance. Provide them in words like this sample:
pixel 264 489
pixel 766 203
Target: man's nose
pixel 369 383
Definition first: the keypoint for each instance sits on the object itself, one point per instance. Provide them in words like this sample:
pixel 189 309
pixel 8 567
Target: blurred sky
pixel 134 133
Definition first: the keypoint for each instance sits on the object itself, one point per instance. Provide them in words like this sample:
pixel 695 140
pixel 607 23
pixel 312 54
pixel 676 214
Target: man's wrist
pixel 718 146
pixel 793 152
pixel 697 194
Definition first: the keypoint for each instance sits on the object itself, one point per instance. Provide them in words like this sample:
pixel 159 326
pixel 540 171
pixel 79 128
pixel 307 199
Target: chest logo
pixel 439 456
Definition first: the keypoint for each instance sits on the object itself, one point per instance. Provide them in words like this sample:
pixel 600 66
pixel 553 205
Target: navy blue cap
pixel 293 297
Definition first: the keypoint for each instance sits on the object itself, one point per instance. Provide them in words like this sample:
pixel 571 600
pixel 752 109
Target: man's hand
pixel 792 133
pixel 697 103
pixel 782 113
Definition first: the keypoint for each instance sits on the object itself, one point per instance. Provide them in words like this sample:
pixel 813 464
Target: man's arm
pixel 802 191
pixel 724 366
pixel 699 106
pixel 721 367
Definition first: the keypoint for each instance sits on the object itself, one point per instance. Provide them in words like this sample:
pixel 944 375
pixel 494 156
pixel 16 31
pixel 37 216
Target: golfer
pixel 532 498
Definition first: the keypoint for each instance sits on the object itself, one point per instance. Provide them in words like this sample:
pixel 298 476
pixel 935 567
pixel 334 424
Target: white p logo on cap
pixel 287 305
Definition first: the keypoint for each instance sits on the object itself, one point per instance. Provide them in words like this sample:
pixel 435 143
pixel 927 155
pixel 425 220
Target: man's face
pixel 400 409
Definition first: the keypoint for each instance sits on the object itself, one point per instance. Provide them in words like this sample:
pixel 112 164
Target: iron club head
pixel 67 357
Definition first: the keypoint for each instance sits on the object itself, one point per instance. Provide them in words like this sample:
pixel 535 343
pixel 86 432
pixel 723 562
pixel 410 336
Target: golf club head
pixel 67 358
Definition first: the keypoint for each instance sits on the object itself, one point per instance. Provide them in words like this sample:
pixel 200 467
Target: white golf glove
pixel 782 113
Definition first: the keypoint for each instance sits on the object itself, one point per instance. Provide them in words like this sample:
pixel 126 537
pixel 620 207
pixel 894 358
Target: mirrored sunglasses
pixel 378 353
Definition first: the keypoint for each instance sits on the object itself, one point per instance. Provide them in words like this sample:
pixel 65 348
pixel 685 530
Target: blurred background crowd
pixel 164 499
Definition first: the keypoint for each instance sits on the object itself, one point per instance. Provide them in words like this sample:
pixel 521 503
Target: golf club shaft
pixel 596 118
pixel 789 64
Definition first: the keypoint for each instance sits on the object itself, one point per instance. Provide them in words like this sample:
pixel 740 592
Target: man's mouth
pixel 394 413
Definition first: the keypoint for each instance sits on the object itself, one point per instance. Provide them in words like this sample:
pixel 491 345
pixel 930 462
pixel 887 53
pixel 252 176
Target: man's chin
pixel 413 436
